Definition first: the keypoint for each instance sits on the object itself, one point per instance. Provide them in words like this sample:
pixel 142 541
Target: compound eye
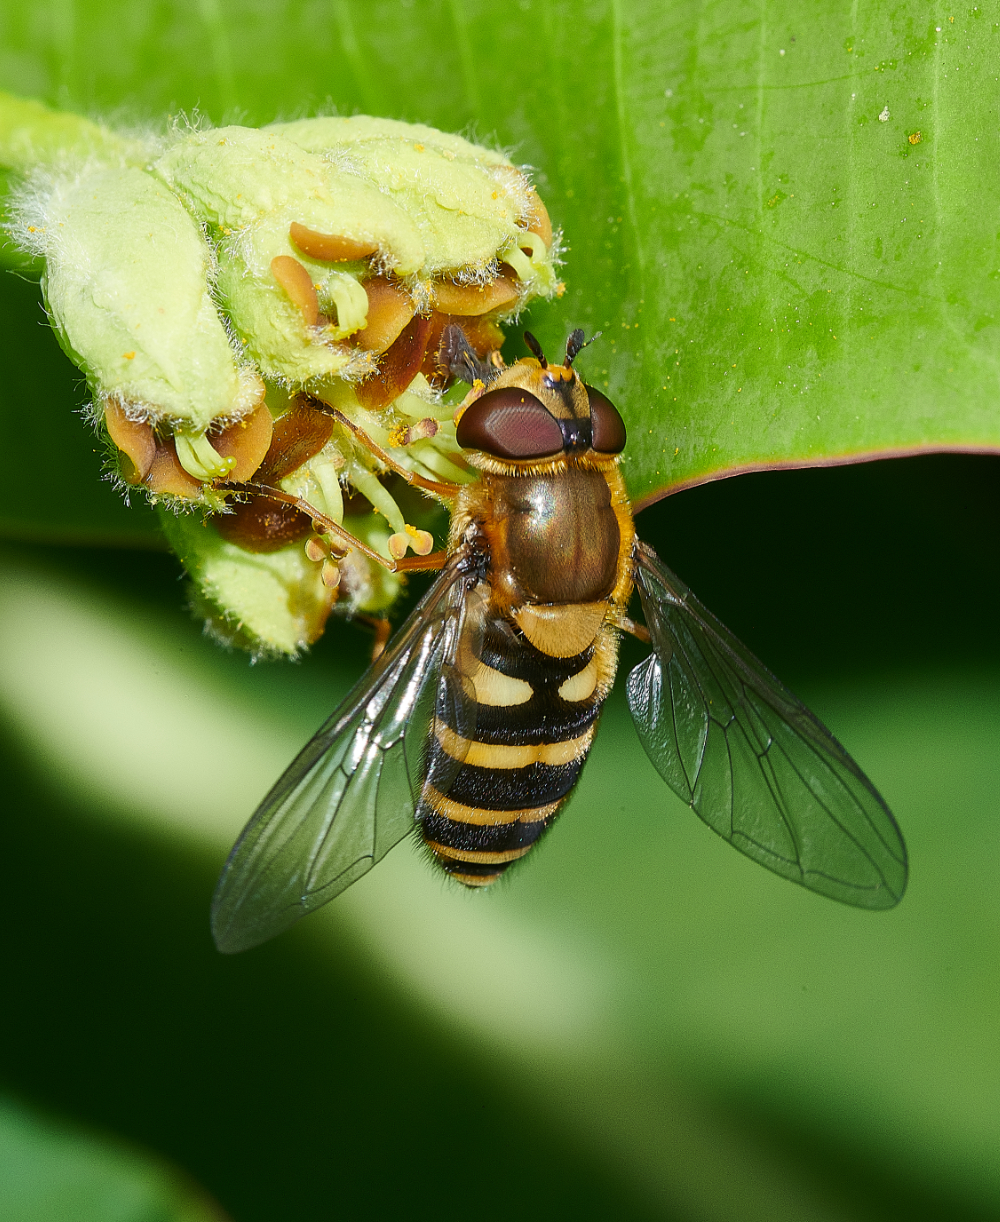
pixel 509 423
pixel 606 422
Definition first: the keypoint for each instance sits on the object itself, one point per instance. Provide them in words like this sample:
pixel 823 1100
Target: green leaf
pixel 50 1172
pixel 780 217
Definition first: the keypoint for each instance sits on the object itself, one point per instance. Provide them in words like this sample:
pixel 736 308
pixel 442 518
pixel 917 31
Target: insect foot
pixel 267 306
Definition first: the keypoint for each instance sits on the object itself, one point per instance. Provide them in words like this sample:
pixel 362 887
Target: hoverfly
pixel 472 727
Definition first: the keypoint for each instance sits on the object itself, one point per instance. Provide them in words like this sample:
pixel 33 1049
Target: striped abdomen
pixel 491 792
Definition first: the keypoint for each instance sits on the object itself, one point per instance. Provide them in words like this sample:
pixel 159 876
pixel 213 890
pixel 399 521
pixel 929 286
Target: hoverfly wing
pixel 750 759
pixel 351 794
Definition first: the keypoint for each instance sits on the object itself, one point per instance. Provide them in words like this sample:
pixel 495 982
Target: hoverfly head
pixel 533 410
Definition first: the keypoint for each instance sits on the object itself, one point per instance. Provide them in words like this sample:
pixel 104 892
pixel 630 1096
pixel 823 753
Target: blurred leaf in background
pixel 783 220
pixel 52 1173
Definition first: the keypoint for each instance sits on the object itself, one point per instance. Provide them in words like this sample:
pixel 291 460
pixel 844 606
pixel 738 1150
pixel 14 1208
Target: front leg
pixel 421 541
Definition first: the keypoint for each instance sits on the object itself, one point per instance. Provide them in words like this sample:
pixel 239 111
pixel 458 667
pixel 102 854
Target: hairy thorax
pixel 556 536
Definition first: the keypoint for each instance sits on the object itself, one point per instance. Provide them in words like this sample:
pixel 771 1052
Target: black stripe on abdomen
pixel 487 871
pixel 500 788
pixel 505 648
pixel 480 837
pixel 545 718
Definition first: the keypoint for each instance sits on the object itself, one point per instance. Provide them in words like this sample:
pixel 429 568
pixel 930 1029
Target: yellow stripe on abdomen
pixel 490 755
pixel 459 813
pixel 482 858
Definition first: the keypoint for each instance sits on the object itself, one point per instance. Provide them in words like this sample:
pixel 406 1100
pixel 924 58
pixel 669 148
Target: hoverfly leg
pixel 627 624
pixel 446 491
pixel 343 541
pixel 420 564
pixel 382 629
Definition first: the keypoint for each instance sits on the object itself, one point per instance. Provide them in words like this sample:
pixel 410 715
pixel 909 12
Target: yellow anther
pixel 423 429
pixel 421 541
pixel 405 435
pixel 316 549
pixel 330 575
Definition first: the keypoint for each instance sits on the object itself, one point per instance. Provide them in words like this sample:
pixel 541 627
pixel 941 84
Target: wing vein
pixel 768 776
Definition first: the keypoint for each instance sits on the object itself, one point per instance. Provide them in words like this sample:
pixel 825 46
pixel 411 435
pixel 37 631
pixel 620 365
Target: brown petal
pixel 136 441
pixel 166 475
pixel 297 436
pixel 398 367
pixel 538 218
pixel 247 441
pixel 297 283
pixel 330 247
pixel 535 218
pixel 262 525
pixel 468 300
pixel 390 308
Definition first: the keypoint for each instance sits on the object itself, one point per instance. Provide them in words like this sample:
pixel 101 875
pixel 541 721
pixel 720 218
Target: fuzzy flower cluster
pixel 249 305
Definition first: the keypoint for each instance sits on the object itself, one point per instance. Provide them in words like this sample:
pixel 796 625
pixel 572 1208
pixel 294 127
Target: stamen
pixel 199 459
pixel 330 576
pixel 419 408
pixel 516 259
pixel 329 482
pixel 349 299
pixel 421 541
pixel 404 435
pixel 526 265
pixel 439 467
pixel 533 243
pixel 316 550
pixel 375 492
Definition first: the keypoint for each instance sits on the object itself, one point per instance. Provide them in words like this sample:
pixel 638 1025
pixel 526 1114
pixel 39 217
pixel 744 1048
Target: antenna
pixel 576 344
pixel 536 348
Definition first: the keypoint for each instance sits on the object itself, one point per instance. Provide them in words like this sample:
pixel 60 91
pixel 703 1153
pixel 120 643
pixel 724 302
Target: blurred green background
pixel 641 1023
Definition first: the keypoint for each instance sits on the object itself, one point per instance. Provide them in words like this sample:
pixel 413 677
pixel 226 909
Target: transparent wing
pixel 751 760
pixel 350 795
